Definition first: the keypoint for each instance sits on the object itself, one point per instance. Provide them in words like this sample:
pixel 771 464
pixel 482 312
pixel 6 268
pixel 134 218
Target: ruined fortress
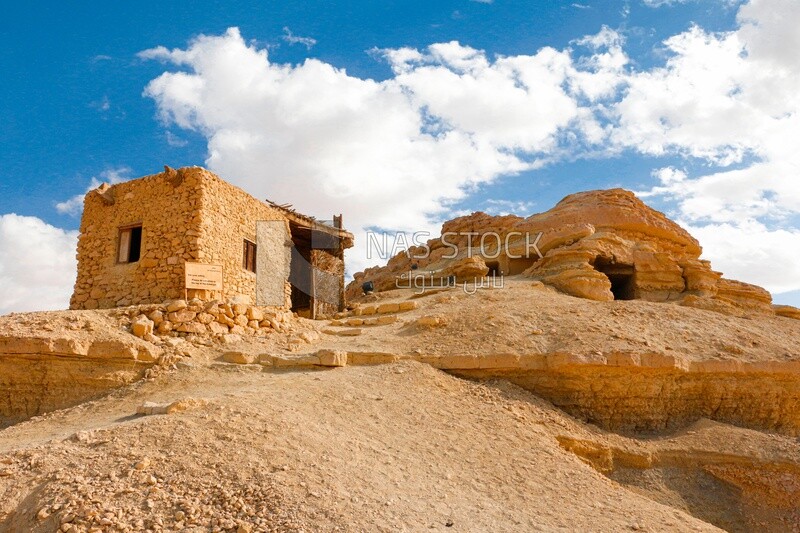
pixel 139 238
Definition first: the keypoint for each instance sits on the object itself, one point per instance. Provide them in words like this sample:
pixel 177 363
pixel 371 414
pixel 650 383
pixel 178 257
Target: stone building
pixel 138 238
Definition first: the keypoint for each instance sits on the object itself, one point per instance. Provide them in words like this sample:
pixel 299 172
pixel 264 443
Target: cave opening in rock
pixel 518 265
pixel 494 268
pixel 621 276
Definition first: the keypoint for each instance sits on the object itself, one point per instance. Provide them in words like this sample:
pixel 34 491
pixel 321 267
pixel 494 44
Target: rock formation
pixel 50 361
pixel 601 245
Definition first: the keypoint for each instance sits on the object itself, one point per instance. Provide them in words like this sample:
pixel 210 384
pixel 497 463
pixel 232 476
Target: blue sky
pixel 78 102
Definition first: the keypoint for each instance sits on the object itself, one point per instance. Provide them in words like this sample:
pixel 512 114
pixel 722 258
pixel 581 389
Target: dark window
pixel 249 256
pixel 130 244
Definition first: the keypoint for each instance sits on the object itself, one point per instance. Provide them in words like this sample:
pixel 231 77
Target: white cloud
pixel 291 38
pixel 175 140
pixel 74 206
pixel 396 154
pixel 37 264
pixel 390 154
pixel 750 251
pixel 660 3
pixel 730 99
pixel 508 207
pixel 102 105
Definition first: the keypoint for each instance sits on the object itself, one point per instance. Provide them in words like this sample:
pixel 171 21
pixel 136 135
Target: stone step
pixel 380 309
pixel 356 322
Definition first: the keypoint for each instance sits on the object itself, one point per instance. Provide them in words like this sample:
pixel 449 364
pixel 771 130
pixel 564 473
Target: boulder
pixel 176 305
pixel 205 318
pixel 332 357
pixel 431 321
pixel 239 358
pixel 183 315
pixel 466 269
pixel 142 326
pixel 217 329
pixel 192 327
pixel 254 313
pixel 156 316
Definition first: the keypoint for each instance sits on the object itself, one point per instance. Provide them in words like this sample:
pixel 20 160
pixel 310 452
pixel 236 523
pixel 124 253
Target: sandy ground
pixel 405 447
pixel 389 448
pixel 526 317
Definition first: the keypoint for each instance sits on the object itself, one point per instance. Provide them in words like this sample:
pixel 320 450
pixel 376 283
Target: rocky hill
pixel 600 245
pixel 512 406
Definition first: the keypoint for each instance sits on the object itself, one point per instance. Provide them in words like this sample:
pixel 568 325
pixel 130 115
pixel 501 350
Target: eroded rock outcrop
pixel 49 362
pixel 602 245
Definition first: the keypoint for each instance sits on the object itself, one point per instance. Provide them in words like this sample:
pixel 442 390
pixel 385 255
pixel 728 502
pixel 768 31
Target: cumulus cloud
pixel 396 154
pixel 74 205
pixel 729 99
pixel 751 251
pixel 37 260
pixel 37 264
pixel 391 154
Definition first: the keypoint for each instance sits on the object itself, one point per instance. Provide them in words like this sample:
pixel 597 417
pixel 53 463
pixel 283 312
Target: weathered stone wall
pixel 328 280
pixel 228 216
pixel 197 317
pixel 168 214
pixel 186 215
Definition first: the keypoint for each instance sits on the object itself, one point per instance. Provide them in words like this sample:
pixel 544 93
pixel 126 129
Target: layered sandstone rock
pixel 53 360
pixel 633 392
pixel 787 311
pixel 49 362
pixel 602 245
